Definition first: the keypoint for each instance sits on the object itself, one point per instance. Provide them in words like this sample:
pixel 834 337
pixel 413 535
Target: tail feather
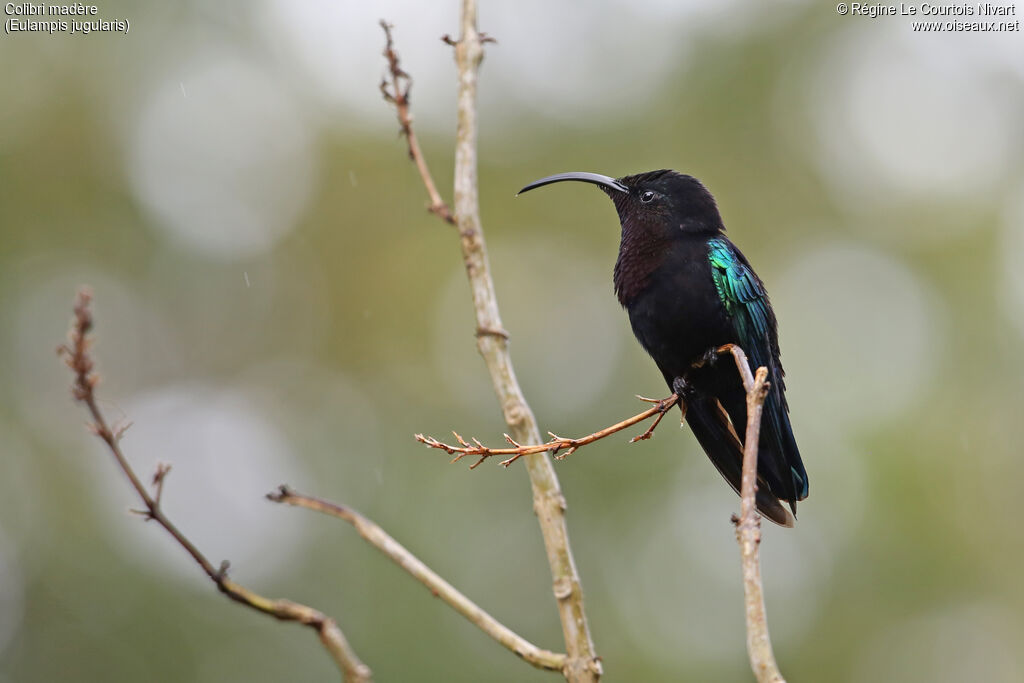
pixel 714 431
pixel 787 444
pixel 779 459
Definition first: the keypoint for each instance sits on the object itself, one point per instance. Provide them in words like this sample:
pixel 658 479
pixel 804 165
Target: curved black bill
pixel 595 178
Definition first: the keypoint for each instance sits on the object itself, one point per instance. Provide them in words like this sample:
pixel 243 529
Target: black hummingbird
pixel 688 290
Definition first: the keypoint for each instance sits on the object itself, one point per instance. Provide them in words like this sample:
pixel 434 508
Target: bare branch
pixel 548 501
pixel 556 443
pixel 397 93
pixel 492 341
pixel 377 537
pixel 748 525
pixel 76 355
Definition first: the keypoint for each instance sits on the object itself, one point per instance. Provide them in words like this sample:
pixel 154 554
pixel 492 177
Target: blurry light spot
pixel 674 585
pixel 894 124
pixel 861 336
pixel 566 329
pixel 225 457
pixel 333 50
pixel 698 573
pixel 567 74
pixel 330 421
pixel 556 73
pixel 227 169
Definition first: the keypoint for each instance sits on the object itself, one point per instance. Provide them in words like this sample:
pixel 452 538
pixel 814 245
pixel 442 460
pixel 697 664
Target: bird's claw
pixel 710 357
pixel 680 387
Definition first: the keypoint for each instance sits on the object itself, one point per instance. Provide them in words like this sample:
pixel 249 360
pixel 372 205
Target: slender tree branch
pixel 397 93
pixel 76 355
pixel 583 664
pixel 548 501
pixel 377 537
pixel 748 525
pixel 556 443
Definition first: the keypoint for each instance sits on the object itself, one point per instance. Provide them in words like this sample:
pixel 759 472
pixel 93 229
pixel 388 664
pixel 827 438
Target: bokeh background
pixel 274 305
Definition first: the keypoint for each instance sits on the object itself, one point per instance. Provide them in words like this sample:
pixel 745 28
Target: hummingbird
pixel 688 290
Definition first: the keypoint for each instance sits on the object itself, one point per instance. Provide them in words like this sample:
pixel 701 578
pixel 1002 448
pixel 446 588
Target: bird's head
pixel 667 198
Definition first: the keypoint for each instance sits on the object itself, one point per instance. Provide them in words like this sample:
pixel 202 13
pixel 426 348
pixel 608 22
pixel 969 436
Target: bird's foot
pixel 710 357
pixel 680 387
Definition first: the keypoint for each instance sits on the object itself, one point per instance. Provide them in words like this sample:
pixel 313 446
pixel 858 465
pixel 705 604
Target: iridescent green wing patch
pixel 745 301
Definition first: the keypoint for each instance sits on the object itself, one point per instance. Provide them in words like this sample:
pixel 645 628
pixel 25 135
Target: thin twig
pixel 76 355
pixel 556 443
pixel 748 525
pixel 397 93
pixel 583 664
pixel 377 537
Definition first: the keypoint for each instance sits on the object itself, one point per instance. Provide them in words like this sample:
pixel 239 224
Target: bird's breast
pixel 677 316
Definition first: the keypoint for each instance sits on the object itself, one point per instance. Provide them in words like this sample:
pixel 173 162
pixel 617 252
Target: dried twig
pixel 548 501
pixel 556 443
pixel 76 355
pixel 397 93
pixel 583 663
pixel 748 525
pixel 377 537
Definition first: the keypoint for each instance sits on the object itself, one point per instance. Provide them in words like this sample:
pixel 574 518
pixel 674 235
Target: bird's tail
pixel 776 420
pixel 714 431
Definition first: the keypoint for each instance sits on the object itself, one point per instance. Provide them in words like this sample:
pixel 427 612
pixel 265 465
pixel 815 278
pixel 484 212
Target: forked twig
pixel 556 443
pixel 397 93
pixel 76 355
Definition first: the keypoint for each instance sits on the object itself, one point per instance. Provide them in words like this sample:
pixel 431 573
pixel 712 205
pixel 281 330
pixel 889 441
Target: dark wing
pixel 753 319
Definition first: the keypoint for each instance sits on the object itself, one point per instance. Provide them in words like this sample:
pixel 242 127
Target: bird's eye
pixel 647 197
